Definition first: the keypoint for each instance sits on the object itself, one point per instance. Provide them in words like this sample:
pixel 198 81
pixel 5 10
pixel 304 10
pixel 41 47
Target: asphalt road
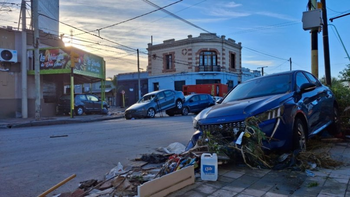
pixel 33 159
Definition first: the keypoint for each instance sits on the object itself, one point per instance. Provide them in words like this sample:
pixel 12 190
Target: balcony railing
pixel 203 68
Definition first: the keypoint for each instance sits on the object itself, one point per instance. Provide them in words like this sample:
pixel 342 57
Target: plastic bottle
pixel 209 167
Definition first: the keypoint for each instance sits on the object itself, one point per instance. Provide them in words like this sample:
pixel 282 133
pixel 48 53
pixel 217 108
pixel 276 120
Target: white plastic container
pixel 209 167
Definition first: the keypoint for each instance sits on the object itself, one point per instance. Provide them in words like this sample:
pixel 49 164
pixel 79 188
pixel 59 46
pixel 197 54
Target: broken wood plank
pixel 168 183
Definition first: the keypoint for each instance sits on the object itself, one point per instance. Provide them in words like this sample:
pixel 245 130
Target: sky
pixel 271 31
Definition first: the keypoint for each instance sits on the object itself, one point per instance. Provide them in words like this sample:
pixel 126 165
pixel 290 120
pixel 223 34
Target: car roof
pixel 157 91
pixel 276 74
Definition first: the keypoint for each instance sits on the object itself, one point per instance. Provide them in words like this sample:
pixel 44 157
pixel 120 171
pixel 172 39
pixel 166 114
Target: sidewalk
pixel 113 113
pixel 240 180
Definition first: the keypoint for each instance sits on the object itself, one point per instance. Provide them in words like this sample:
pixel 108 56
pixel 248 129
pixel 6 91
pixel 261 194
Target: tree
pixel 345 74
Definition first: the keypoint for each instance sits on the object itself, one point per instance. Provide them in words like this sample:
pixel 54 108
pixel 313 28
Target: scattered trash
pixel 154 158
pixel 309 173
pixel 115 171
pixel 175 148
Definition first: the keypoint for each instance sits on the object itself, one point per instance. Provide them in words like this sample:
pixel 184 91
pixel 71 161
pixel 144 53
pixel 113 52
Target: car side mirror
pixel 156 99
pixel 307 87
pixel 191 101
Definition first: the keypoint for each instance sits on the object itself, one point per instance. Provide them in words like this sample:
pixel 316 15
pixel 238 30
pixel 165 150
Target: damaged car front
pixel 289 108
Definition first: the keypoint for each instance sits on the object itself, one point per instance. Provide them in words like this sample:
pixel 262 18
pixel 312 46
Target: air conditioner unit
pixel 8 55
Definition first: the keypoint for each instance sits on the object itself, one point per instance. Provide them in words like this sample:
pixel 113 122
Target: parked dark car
pixel 154 102
pixel 83 103
pixel 291 107
pixel 193 104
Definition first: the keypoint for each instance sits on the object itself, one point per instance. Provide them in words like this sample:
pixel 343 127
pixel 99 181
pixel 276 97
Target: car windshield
pixel 187 97
pixel 276 84
pixel 147 98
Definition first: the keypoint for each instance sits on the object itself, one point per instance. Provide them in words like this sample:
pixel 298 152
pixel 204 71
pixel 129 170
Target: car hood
pixel 138 106
pixel 241 109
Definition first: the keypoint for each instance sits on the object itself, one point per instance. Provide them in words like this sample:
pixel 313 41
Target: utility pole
pixel 262 70
pixel 314 43
pixel 327 63
pixel 138 72
pixel 36 59
pixel 290 63
pixel 24 62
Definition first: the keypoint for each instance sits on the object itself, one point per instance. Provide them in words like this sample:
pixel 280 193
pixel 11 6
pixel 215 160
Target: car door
pixel 160 101
pixel 193 103
pixel 325 99
pixel 170 99
pixel 310 103
pixel 204 101
pixel 93 103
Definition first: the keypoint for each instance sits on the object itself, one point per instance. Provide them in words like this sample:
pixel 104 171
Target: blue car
pixel 194 103
pixel 290 106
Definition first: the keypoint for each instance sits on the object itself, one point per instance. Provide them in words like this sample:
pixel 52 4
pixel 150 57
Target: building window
pixel 155 86
pixel 168 62
pixel 230 84
pixel 178 85
pixel 207 58
pixel 233 61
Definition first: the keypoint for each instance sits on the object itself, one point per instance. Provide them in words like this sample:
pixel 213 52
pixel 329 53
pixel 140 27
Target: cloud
pixel 278 16
pixel 220 12
pixel 259 62
pixel 232 5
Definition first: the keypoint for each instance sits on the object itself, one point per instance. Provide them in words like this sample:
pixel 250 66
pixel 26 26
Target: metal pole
pixel 36 59
pixel 138 72
pixel 314 43
pixel 262 70
pixel 24 62
pixel 72 92
pixel 327 63
pixel 290 63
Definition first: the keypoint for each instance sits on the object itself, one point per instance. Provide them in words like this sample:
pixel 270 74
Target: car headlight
pixel 195 123
pixel 271 114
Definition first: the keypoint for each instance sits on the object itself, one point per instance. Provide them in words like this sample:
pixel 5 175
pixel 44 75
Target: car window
pixel 81 97
pixel 269 85
pixel 92 98
pixel 301 79
pixel 147 98
pixel 203 97
pixel 313 79
pixel 168 93
pixel 160 95
pixel 195 98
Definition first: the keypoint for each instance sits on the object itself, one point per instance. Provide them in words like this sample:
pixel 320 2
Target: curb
pixel 56 122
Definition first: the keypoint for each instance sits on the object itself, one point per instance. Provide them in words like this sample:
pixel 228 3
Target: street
pixel 33 159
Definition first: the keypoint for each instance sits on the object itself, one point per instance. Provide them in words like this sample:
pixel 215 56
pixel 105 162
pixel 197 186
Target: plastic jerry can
pixel 209 167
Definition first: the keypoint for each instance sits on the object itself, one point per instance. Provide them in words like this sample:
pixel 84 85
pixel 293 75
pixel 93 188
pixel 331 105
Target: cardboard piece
pixel 168 183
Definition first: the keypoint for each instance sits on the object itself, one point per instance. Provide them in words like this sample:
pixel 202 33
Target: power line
pixel 98 30
pixel 127 48
pixel 265 54
pixel 175 16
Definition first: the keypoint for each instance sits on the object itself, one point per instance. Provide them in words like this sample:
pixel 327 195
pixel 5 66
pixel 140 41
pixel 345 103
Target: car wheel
pixel 185 111
pixel 79 111
pixel 151 113
pixel 179 104
pixel 334 127
pixel 299 135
